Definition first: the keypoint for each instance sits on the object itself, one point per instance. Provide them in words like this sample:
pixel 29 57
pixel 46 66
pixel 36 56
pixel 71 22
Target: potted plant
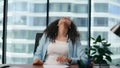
pixel 99 52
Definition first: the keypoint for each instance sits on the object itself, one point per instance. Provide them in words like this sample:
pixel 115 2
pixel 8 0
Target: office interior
pixel 20 20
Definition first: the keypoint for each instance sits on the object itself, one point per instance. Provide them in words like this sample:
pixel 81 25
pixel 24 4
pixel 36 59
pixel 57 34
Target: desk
pixel 38 66
pixel 48 66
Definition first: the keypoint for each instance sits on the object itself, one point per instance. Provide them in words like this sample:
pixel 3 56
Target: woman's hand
pixel 66 21
pixel 63 59
pixel 37 62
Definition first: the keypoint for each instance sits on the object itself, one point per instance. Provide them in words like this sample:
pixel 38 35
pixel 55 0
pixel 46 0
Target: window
pixel 25 19
pixel 18 34
pixel 100 21
pixel 31 34
pixel 19 60
pixel 118 1
pixel 101 7
pixel 83 35
pixel 0 21
pixel 36 21
pixel 19 6
pixel 17 20
pixel 113 8
pixel 81 22
pixel 29 60
pixel 39 21
pixel 55 7
pixel 51 19
pixel 1 8
pixel 60 7
pixel 80 8
pixel 39 7
pixel 103 34
pixel 30 48
pixel 115 50
pixel 18 48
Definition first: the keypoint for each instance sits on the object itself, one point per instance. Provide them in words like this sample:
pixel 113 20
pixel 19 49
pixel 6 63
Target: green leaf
pixel 95 56
pixel 103 39
pixel 101 51
pixel 94 42
pixel 86 48
pixel 108 58
pixel 105 44
pixel 92 38
pixel 96 46
pixel 108 52
pixel 98 39
pixel 108 44
pixel 93 49
pixel 99 59
pixel 94 52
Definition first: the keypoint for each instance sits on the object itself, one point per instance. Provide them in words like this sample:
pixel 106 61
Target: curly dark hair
pixel 52 31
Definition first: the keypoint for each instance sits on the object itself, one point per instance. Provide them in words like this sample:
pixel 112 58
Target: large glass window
pixel 25 19
pixel 106 20
pixel 1 28
pixel 28 17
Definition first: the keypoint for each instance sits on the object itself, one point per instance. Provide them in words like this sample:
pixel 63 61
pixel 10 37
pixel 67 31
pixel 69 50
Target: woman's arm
pixel 38 54
pixel 79 53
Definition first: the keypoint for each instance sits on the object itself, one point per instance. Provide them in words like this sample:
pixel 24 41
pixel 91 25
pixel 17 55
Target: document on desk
pixel 55 66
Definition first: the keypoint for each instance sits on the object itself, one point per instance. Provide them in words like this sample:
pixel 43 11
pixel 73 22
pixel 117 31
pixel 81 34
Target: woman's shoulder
pixel 44 36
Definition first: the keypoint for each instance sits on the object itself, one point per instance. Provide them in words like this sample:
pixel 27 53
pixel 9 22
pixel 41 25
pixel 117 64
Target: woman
pixel 60 44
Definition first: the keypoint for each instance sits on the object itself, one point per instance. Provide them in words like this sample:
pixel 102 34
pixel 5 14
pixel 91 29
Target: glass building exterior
pixel 28 17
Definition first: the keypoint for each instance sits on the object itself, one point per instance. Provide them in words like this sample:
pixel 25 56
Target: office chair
pixel 38 36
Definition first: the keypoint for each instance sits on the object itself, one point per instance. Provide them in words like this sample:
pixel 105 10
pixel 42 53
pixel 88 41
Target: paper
pixel 55 66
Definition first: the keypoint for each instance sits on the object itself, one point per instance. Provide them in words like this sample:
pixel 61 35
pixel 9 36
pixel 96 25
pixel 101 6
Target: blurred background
pixel 25 18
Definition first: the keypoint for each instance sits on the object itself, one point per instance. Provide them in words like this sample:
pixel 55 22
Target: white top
pixel 59 48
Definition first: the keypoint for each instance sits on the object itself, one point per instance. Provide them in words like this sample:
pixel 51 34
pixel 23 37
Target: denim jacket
pixel 76 52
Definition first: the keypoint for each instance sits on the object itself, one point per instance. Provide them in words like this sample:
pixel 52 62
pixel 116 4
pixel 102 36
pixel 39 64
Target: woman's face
pixel 64 21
